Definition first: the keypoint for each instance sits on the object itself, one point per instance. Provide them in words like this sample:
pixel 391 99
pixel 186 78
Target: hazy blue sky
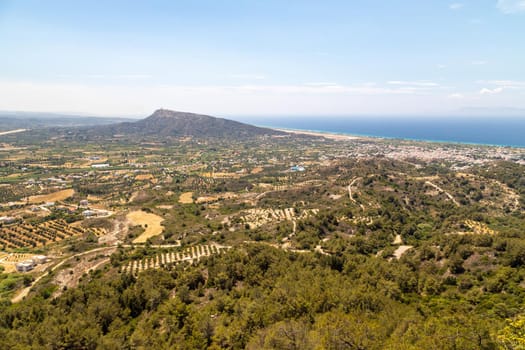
pixel 264 57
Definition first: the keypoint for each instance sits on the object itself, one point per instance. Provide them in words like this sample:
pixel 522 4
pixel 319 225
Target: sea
pixel 500 131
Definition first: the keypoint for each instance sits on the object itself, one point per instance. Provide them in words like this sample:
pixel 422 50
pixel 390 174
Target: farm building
pixel 89 213
pixel 39 259
pixel 97 166
pixel 297 168
pixel 25 266
pixel 95 213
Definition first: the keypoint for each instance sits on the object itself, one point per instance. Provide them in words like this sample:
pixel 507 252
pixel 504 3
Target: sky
pixel 263 58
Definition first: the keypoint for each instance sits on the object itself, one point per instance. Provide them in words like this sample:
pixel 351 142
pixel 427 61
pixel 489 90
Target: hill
pixel 34 120
pixel 166 123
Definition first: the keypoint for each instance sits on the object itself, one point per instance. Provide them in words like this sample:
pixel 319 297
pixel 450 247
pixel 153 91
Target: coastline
pixel 12 132
pixel 350 137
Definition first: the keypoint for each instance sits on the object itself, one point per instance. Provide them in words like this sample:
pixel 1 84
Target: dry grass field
pixel 152 221
pixel 52 197
pixel 186 198
pixel 210 199
pixel 144 177
pixel 93 198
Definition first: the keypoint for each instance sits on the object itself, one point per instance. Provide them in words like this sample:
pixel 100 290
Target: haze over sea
pixel 504 131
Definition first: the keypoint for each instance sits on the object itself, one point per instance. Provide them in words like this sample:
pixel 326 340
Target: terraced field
pixel 258 217
pixel 479 228
pixel 189 254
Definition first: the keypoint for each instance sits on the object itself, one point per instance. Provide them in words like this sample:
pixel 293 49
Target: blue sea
pixel 503 131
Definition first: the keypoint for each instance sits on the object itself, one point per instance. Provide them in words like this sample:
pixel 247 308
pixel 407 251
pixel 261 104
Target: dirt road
pixel 23 293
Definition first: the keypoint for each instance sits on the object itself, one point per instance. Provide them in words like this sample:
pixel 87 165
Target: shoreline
pixel 350 137
pixel 328 135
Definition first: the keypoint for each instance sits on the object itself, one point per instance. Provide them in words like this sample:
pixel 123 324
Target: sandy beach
pixel 12 131
pixel 337 137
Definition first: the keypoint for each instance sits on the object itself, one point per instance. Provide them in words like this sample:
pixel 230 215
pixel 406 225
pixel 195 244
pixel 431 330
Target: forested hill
pixel 259 297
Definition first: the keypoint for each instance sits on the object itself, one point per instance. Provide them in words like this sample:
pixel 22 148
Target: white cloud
pixel 456 96
pixel 441 66
pixel 494 91
pixel 508 84
pixel 120 98
pixel 511 6
pixel 321 88
pixel 455 6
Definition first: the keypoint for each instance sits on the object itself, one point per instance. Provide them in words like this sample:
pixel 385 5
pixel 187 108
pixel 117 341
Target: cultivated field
pixel 479 228
pixel 258 217
pixel 189 254
pixel 27 235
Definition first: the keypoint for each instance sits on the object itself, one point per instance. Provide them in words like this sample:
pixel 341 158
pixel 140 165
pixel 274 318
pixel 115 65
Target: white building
pixel 89 213
pixel 39 259
pixel 25 266
pixel 98 166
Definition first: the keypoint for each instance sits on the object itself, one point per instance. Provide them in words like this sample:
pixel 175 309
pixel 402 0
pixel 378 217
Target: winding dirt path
pixel 350 192
pixel 443 191
pixel 23 293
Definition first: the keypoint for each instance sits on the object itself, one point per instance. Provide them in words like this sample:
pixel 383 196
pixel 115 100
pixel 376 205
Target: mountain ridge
pixel 168 123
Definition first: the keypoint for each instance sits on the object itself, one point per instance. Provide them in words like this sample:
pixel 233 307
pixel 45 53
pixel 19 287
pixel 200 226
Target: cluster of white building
pixel 30 264
pixel 96 213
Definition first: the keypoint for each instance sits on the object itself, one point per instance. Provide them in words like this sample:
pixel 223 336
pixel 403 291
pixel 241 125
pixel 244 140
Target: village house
pixel 98 166
pixel 39 259
pixel 25 266
pixel 297 168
